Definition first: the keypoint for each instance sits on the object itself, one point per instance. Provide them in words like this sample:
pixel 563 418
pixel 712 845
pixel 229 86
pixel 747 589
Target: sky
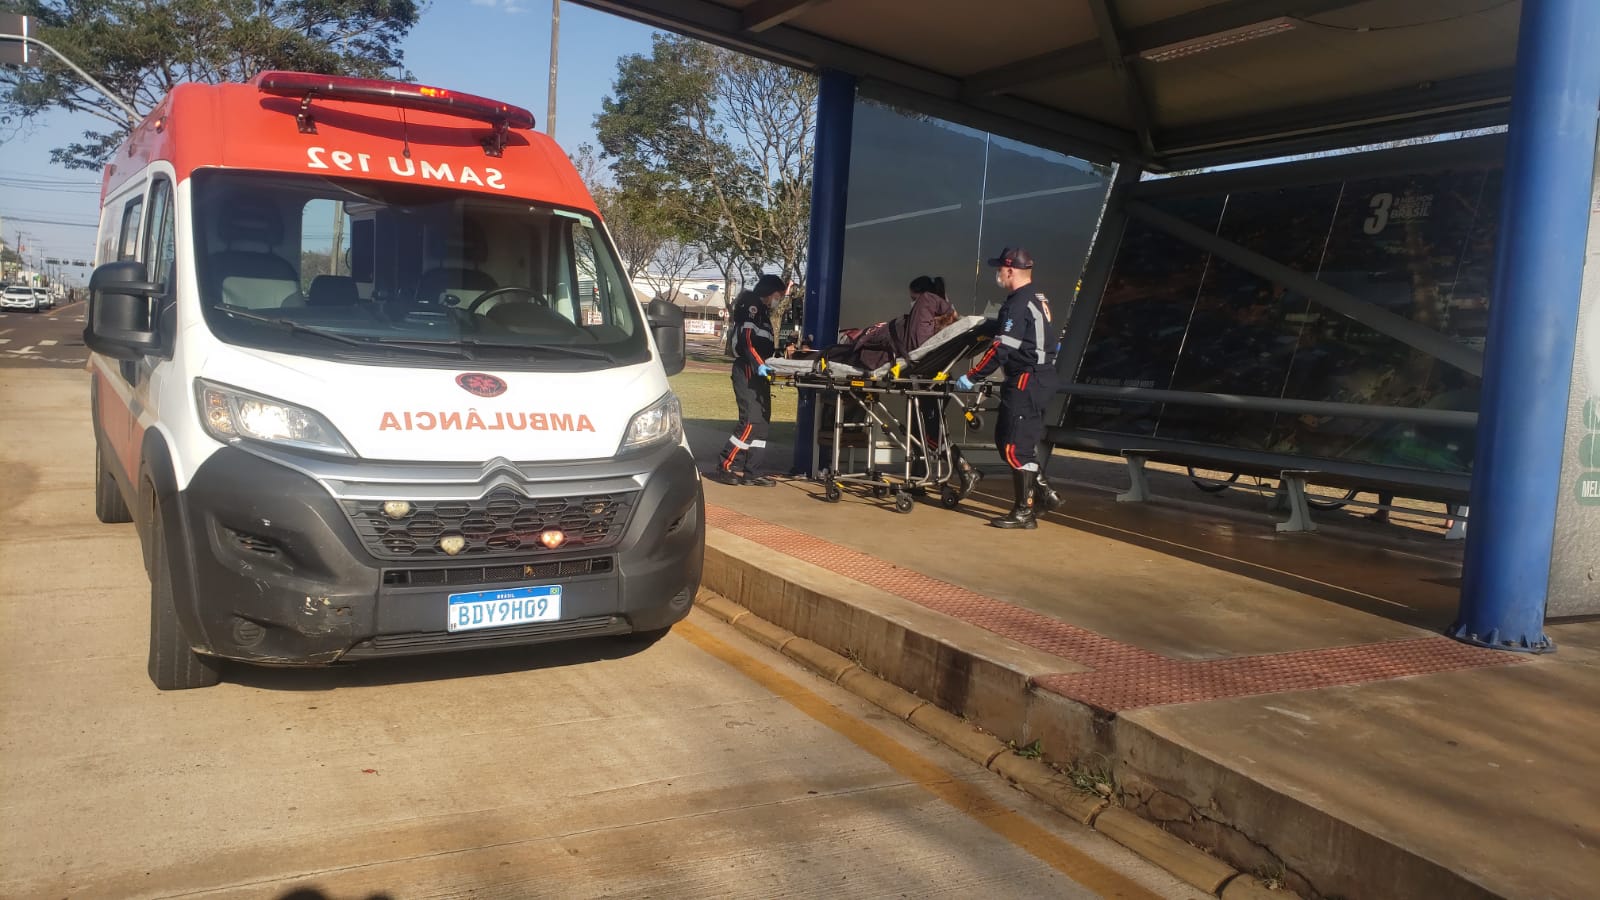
pixel 495 48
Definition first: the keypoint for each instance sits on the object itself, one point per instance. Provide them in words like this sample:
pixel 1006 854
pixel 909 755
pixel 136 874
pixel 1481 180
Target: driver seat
pixel 467 248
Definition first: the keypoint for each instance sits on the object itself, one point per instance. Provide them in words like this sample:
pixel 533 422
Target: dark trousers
pixel 931 411
pixel 748 443
pixel 1023 401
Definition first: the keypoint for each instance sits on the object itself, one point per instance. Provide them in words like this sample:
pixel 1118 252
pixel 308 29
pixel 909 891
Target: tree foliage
pixel 721 143
pixel 141 49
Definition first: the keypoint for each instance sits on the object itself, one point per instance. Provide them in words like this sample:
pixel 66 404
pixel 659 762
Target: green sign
pixel 1589 489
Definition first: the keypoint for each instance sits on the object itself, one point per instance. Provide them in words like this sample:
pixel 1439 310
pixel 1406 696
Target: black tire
pixel 832 491
pixel 949 497
pixel 904 502
pixel 110 506
pixel 1212 485
pixel 1316 502
pixel 173 665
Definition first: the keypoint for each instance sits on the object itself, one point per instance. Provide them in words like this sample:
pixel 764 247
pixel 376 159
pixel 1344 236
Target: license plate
pixel 507 606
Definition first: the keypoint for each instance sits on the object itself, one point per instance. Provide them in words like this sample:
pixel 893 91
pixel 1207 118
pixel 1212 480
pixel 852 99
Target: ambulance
pixel 369 381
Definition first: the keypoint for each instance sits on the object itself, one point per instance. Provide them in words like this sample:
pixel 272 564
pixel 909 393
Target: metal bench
pixel 1453 498
pixel 1291 489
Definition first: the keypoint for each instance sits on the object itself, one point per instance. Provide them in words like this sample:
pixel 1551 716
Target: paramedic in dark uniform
pixel 753 346
pixel 1025 351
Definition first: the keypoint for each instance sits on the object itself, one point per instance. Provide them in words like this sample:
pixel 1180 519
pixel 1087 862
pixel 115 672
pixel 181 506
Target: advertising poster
pixel 1575 562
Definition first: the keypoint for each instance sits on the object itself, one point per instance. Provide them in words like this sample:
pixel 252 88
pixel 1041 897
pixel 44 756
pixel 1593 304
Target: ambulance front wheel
pixel 174 666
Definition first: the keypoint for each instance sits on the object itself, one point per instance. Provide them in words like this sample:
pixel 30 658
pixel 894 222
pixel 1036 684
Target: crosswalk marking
pixel 47 343
pixel 5 340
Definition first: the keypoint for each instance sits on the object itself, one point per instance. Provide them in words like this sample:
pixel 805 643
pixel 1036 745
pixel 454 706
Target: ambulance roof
pixel 243 126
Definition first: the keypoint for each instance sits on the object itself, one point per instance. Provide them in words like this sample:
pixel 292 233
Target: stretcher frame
pixel 877 395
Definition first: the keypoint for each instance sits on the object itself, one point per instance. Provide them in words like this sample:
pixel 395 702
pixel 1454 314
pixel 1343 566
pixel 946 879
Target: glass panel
pixel 1419 245
pixel 915 187
pixel 930 197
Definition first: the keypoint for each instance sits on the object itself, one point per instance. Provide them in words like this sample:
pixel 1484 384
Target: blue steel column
pixel 1533 322
pixel 830 187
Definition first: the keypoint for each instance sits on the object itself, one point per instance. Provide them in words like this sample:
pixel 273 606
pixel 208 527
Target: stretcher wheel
pixel 880 491
pixel 903 502
pixel 949 497
pixel 975 421
pixel 832 492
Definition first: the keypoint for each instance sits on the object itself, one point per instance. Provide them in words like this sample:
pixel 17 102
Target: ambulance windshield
pixel 408 275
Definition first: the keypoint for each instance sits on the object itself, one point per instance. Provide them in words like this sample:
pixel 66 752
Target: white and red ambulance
pixel 369 381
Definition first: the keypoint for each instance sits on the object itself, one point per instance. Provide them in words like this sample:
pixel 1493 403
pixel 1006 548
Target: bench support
pixel 1138 488
pixel 1294 490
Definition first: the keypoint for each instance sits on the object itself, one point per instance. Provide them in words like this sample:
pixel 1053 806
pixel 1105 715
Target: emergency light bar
pixel 308 87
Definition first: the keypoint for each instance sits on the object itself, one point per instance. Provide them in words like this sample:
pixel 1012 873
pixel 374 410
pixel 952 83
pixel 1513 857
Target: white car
pixel 19 296
pixel 45 299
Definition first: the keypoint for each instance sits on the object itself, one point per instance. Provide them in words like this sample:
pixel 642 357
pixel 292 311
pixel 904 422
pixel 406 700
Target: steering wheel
pixel 533 297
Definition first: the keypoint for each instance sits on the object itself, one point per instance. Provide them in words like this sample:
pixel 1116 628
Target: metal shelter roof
pixel 1177 83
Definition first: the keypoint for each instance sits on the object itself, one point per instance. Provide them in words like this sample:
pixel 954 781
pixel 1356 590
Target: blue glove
pixel 963 383
pixel 763 371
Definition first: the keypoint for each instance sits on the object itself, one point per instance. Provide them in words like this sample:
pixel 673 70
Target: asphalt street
pixel 50 338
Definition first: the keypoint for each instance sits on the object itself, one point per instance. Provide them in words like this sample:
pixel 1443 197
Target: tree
pixel 674 261
pixel 141 49
pixel 723 143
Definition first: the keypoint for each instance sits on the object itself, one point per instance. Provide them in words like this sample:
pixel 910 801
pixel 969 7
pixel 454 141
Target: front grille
pixel 501 523
pixel 514 572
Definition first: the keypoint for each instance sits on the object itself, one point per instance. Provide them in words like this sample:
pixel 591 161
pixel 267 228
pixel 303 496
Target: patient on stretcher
pixel 879 345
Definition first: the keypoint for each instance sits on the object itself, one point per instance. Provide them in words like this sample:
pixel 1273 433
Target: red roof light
pixel 304 85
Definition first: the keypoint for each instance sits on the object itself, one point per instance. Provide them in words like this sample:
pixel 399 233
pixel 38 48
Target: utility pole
pixel 555 46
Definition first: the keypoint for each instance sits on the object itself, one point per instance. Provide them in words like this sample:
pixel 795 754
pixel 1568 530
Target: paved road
pixel 51 339
pixel 703 766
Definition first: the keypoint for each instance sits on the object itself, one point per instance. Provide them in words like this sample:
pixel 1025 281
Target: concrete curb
pixel 1248 821
pixel 1192 865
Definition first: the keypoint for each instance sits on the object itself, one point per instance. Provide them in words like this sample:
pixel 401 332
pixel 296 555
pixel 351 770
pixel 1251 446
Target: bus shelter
pixel 1409 316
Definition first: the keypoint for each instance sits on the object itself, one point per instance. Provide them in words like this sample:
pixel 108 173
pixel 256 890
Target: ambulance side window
pixel 160 237
pixel 128 243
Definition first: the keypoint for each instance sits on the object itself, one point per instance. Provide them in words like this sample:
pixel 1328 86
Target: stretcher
pixel 880 410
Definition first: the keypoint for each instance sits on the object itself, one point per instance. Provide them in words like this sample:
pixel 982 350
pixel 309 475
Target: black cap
pixel 1014 257
pixel 770 284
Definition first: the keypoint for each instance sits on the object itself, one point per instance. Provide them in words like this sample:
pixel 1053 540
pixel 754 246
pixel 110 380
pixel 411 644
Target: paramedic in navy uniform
pixel 1025 351
pixel 753 345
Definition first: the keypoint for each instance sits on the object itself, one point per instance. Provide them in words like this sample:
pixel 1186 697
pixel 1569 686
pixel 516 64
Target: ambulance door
pixel 114 395
pixel 158 252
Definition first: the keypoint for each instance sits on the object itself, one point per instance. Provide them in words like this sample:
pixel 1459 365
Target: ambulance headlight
pixel 659 423
pixel 231 415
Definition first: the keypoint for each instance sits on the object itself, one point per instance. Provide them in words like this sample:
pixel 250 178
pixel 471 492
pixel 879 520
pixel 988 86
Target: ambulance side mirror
pixel 666 323
pixel 120 324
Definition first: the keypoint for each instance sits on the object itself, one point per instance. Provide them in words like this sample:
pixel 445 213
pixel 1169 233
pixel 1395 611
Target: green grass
pixel 707 399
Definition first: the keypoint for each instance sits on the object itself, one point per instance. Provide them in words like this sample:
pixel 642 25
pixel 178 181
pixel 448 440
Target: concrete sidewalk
pixel 1283 701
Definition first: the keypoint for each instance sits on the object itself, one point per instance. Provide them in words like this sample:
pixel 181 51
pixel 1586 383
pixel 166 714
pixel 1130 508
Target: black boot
pixel 969 476
pixel 1021 515
pixel 1045 499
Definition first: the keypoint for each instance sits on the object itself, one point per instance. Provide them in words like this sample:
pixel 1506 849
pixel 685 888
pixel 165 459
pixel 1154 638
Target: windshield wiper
pixel 294 327
pixel 477 344
pixel 568 349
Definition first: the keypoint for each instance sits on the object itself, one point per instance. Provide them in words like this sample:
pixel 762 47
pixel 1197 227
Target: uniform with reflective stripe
pixel 1025 351
pixel 753 346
